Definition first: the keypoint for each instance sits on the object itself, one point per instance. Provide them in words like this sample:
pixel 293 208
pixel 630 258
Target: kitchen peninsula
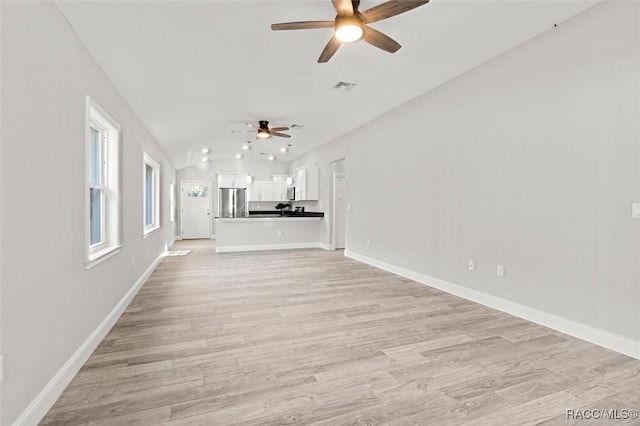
pixel 263 230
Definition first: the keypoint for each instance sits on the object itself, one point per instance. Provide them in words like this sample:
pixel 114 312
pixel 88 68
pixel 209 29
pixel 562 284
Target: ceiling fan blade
pixel 343 7
pixel 281 135
pixel 251 125
pixel 243 131
pixel 380 40
pixel 279 129
pixel 303 25
pixel 389 9
pixel 329 50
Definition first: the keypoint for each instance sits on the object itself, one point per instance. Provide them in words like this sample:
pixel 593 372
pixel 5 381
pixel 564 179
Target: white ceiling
pixel 193 71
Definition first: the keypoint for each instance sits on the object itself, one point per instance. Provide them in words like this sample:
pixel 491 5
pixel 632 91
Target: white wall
pixel 50 303
pixel 531 160
pixel 259 169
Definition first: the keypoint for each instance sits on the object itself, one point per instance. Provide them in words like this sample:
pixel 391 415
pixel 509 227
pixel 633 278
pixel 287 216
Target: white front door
pixel 339 218
pixel 195 216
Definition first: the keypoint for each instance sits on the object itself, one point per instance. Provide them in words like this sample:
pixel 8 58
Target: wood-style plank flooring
pixel 312 337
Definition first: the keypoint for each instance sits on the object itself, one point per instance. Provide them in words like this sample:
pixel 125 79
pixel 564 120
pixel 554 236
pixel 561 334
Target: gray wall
pixel 50 303
pixel 531 160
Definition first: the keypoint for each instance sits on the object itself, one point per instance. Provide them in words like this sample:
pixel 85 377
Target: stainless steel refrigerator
pixel 233 202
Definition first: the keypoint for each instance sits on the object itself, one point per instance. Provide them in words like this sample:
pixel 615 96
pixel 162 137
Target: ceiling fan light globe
pixel 262 134
pixel 349 32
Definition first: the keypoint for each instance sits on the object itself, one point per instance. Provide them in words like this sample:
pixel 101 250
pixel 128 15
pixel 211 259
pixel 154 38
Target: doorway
pixel 339 217
pixel 195 213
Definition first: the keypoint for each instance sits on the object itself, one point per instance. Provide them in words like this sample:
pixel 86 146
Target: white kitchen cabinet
pixel 307 183
pixel 280 188
pixel 232 181
pixel 261 190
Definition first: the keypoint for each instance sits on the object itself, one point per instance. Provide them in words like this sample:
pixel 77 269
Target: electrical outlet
pixel 500 270
pixel 279 231
pixel 472 265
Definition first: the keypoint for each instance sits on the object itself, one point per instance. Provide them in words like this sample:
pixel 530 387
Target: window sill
pixel 102 255
pixel 151 231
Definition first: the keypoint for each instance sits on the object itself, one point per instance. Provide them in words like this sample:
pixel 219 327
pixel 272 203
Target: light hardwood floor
pixel 309 336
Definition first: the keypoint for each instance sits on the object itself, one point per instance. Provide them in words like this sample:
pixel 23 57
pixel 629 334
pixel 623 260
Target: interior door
pixel 339 217
pixel 196 209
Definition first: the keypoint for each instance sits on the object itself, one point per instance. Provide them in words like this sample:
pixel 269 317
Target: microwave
pixel 291 193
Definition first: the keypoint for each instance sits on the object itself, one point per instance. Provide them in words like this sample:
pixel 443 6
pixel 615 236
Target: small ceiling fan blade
pixel 281 135
pixel 380 40
pixel 329 50
pixel 303 25
pixel 279 129
pixel 251 125
pixel 389 9
pixel 343 7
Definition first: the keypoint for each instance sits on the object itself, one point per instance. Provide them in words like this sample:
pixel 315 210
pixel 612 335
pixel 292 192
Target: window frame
pixel 155 166
pixel 109 186
pixel 172 201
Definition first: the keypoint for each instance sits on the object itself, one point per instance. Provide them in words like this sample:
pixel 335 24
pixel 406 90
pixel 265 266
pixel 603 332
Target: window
pixel 196 191
pixel 172 202
pixel 151 189
pixel 103 184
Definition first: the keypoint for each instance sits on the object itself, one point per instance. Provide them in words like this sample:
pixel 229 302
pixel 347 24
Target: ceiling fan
pixel 264 131
pixel 350 24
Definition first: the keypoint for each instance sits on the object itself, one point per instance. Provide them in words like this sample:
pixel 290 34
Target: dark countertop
pixel 287 213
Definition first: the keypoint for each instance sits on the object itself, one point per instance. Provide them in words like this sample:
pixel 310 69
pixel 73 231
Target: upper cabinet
pixel 232 181
pixel 261 190
pixel 280 188
pixel 307 183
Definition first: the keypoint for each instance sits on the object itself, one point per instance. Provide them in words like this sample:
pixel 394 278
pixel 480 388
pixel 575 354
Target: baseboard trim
pixel 261 247
pixel 326 246
pixel 39 407
pixel 606 339
pixel 172 242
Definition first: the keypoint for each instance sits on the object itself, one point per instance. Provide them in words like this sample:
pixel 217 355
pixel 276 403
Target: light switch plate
pixel 635 210
pixel 1 369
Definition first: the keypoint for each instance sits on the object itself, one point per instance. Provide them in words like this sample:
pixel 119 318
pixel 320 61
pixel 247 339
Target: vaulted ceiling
pixel 194 71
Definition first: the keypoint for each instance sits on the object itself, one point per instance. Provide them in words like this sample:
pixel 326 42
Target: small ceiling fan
pixel 350 24
pixel 264 131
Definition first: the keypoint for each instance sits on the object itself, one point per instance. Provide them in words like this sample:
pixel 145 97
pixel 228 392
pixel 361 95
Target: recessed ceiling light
pixel 205 150
pixel 246 147
pixel 344 86
pixel 271 158
pixel 205 159
pixel 238 156
pixel 283 149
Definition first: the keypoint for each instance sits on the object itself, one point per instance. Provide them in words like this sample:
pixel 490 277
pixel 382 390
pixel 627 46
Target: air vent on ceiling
pixel 344 86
